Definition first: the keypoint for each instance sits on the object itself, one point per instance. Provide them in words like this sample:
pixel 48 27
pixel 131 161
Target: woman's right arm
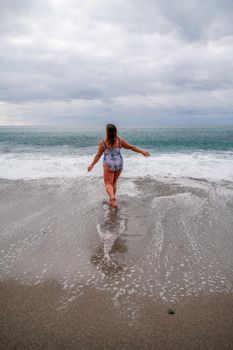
pixel 97 156
pixel 127 145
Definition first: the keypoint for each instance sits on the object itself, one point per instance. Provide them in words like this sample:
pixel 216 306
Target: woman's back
pixel 112 155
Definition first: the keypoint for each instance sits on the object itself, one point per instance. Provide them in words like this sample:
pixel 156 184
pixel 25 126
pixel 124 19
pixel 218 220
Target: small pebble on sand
pixel 171 311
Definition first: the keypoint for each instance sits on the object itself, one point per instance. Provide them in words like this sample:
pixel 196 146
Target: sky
pixel 131 62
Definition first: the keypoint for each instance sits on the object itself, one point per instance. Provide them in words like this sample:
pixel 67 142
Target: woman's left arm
pixel 127 145
pixel 97 157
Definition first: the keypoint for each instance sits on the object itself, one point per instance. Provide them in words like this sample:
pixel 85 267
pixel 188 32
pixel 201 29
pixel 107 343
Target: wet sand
pixel 155 274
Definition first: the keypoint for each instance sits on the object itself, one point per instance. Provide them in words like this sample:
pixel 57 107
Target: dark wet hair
pixel 111 132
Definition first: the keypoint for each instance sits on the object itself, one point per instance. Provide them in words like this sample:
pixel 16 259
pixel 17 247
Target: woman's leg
pixel 108 180
pixel 116 175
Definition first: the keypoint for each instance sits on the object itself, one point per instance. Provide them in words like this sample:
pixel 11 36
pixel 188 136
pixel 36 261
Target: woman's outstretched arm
pixel 127 145
pixel 97 156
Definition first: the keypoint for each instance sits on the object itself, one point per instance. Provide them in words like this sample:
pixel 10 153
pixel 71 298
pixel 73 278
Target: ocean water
pixel 180 152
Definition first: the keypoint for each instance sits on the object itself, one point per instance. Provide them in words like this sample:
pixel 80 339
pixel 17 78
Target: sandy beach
pixel 154 274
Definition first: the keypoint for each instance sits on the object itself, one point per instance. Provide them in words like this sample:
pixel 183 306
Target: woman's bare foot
pixel 113 202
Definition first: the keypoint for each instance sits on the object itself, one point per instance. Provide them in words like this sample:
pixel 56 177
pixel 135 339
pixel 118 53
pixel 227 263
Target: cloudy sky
pixel 133 62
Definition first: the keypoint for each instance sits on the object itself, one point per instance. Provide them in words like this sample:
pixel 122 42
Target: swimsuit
pixel 112 157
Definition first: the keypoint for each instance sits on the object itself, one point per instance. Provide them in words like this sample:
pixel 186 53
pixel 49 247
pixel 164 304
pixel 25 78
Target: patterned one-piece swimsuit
pixel 112 157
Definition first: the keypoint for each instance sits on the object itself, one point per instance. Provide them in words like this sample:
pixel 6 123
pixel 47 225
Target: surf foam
pixel 210 166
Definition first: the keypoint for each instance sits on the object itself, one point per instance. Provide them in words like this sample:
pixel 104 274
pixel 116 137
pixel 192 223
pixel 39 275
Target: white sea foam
pixel 210 166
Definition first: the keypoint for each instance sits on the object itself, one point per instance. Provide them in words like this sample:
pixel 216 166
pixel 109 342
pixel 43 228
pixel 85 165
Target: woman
pixel 113 161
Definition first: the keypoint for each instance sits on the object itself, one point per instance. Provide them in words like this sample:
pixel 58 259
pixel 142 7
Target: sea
pixel 176 152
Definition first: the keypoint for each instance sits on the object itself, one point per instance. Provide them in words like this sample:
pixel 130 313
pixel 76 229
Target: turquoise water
pixel 175 139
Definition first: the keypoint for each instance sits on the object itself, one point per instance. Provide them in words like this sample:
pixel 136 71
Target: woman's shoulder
pixel 119 141
pixel 102 143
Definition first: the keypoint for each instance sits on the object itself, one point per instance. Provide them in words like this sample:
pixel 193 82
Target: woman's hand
pixel 90 167
pixel 146 153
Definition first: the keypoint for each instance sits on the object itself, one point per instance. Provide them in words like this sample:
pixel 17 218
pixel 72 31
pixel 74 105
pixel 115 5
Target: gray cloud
pixel 151 61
